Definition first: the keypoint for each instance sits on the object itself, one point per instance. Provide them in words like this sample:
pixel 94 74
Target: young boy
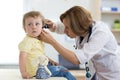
pixel 32 53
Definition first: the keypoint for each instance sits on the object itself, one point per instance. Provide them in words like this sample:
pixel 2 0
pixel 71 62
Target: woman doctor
pixel 95 44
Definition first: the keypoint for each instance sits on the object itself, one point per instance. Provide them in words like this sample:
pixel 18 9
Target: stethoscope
pixel 88 74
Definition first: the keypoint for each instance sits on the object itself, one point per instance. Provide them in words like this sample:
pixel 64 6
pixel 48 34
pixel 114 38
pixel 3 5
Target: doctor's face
pixel 68 30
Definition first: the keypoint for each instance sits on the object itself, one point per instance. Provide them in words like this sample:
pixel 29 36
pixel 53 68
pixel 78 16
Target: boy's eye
pixel 30 24
pixel 37 24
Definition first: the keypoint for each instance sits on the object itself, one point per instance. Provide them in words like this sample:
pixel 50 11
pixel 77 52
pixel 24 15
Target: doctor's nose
pixel 65 31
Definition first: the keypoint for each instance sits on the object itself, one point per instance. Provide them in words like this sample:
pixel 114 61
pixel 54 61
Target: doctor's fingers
pixel 47 37
pixel 47 21
pixel 44 35
pixel 43 31
pixel 41 36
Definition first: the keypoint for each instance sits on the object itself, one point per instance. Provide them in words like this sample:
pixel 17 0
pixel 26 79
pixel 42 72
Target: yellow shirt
pixel 34 48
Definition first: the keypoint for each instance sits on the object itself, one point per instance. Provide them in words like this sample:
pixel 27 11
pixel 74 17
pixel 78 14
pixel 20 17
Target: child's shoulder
pixel 26 40
pixel 26 43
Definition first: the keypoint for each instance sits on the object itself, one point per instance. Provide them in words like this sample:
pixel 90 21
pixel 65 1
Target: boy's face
pixel 33 26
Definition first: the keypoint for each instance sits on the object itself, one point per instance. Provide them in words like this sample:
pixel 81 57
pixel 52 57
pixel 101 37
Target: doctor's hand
pixel 50 24
pixel 46 37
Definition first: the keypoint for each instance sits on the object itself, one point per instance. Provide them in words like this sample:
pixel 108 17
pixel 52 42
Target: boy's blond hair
pixel 32 14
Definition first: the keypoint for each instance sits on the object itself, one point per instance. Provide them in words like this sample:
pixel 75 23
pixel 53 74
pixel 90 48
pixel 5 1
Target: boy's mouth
pixel 34 32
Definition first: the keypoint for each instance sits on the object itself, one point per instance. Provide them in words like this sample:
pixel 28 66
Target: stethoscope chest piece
pixel 88 75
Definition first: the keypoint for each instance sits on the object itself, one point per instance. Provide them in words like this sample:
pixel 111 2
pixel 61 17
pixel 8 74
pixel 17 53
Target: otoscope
pixel 45 26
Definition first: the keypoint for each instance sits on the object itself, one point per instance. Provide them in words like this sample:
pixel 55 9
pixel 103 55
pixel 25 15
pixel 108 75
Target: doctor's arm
pixel 67 54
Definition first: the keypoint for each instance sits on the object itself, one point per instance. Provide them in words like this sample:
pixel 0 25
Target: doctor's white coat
pixel 102 50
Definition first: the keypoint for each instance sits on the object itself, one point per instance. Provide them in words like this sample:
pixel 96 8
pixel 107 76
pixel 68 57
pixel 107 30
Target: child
pixel 31 48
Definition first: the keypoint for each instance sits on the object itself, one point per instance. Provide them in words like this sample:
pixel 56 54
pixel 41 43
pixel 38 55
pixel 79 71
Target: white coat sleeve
pixel 59 28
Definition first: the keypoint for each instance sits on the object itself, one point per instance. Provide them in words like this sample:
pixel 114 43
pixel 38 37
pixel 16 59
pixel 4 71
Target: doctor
pixel 95 44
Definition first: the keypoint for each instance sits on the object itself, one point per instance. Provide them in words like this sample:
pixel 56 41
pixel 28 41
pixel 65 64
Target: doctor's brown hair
pixel 33 14
pixel 78 19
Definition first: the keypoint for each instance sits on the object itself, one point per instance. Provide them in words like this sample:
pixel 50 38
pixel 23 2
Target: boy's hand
pixel 54 63
pixel 26 76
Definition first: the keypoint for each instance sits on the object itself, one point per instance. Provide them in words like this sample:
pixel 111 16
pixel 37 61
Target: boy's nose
pixel 34 26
